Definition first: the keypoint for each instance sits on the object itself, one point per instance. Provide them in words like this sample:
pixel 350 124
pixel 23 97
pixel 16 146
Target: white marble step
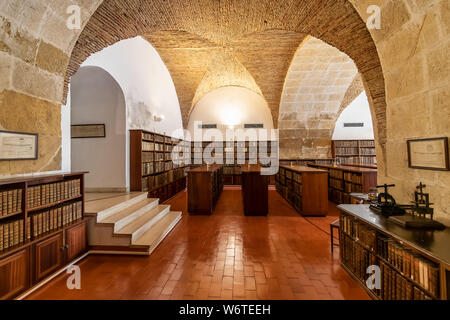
pixel 112 209
pixel 123 217
pixel 143 223
pixel 153 237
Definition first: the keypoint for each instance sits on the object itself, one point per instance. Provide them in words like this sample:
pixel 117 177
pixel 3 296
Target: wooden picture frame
pixel 429 154
pixel 16 146
pixel 87 131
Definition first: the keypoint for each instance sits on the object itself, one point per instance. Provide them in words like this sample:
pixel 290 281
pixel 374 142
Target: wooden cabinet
pixel 48 256
pixel 306 189
pixel 14 274
pixel 76 242
pixel 344 180
pixel 49 229
pixel 255 191
pixel 205 184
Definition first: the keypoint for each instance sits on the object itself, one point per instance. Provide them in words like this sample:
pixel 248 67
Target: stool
pixel 334 225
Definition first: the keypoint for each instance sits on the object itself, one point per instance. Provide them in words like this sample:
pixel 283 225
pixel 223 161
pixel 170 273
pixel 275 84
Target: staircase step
pixel 143 223
pixel 159 231
pixel 127 215
pixel 107 207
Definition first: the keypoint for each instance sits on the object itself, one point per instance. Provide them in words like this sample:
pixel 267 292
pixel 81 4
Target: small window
pixel 207 126
pixel 354 125
pixel 253 126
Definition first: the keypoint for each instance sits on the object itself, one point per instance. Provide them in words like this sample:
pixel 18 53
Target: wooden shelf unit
pixel 255 191
pixel 344 180
pixel 232 172
pixel 48 233
pixel 359 152
pixel 205 185
pixel 152 168
pixel 414 264
pixel 304 188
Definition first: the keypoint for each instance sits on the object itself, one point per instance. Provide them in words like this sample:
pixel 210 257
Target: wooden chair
pixel 334 225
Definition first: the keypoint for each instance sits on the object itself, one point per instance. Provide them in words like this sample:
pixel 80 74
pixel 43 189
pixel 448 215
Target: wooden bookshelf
pixel 414 264
pixel 232 173
pixel 304 188
pixel 305 162
pixel 152 168
pixel 360 152
pixel 344 180
pixel 205 185
pixel 42 228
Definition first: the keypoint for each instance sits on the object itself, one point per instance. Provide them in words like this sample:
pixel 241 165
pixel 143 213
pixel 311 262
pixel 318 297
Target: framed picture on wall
pixel 18 146
pixel 83 131
pixel 429 154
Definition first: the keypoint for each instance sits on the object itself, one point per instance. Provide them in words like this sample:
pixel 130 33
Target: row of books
pixel 337 174
pixel 147 136
pixel 350 188
pixel 53 192
pixel 10 202
pixel 358 231
pixel 353 177
pixel 367 143
pixel 348 160
pixel 337 184
pixel 346 144
pixel 157 181
pixel 367 160
pixel 396 287
pixel 346 151
pixel 49 220
pixel 147 156
pixel 356 258
pixel 147 168
pixel 412 266
pixel 368 151
pixel 12 234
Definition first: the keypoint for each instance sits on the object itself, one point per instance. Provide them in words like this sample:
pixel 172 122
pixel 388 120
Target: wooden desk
pixel 306 189
pixel 204 184
pixel 255 191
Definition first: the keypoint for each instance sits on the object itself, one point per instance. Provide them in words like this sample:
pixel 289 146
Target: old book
pixel 6 236
pixel 1 237
pixel 21 231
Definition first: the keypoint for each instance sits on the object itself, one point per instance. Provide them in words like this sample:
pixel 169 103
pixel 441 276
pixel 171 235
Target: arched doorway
pixel 96 98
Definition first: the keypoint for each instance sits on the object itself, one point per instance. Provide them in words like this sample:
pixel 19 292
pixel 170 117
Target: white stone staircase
pixel 128 224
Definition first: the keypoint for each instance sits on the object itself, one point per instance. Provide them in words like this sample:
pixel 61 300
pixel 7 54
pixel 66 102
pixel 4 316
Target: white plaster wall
pixel 145 81
pixel 357 111
pixel 96 98
pixel 231 106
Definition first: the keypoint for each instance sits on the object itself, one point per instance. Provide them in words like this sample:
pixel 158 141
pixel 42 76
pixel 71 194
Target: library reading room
pixel 224 150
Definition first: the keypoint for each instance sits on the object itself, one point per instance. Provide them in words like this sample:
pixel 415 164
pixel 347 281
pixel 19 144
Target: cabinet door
pixel 48 256
pixel 14 275
pixel 76 242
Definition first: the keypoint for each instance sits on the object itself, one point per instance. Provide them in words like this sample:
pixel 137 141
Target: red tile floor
pixel 223 256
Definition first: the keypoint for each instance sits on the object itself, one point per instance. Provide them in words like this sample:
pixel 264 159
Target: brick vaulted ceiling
pixel 264 35
pixel 257 61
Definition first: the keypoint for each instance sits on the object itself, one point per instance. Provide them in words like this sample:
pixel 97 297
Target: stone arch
pixel 334 21
pixel 315 85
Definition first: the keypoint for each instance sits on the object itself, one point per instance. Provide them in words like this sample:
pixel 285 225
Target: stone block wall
pixel 315 86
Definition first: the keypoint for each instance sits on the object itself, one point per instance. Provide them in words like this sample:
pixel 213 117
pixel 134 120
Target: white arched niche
pixel 230 108
pixel 96 98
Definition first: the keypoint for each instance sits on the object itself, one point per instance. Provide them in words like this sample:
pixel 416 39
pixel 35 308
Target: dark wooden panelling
pixel 14 274
pixel 48 256
pixel 255 191
pixel 76 241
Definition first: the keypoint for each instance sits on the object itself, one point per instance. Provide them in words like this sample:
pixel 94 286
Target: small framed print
pixel 429 154
pixel 18 146
pixel 83 131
